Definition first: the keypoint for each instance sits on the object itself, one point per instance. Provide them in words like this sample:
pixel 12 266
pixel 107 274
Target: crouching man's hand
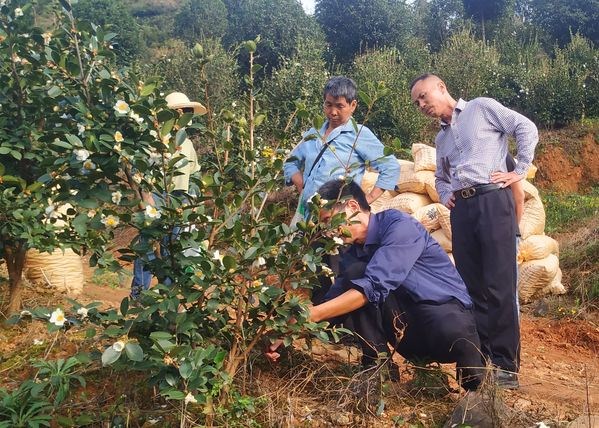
pixel 271 351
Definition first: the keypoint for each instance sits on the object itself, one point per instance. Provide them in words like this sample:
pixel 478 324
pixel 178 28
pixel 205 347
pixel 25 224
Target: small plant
pixel 55 378
pixel 20 408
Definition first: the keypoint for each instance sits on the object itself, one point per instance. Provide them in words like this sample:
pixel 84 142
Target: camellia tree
pixel 79 145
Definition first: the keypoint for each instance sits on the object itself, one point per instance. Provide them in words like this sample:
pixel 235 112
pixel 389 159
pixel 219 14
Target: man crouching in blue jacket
pixel 398 287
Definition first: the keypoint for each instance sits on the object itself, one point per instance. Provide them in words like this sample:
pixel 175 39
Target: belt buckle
pixel 468 193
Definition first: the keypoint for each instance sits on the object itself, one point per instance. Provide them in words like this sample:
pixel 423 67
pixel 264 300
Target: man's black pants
pixel 484 247
pixel 420 332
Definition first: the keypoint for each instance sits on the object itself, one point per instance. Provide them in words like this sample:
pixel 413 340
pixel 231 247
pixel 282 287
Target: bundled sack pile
pixel 61 269
pixel 538 263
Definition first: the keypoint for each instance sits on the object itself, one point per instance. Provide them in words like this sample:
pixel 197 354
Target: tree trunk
pixel 15 261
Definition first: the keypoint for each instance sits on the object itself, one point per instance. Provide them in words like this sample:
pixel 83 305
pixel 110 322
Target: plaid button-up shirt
pixel 475 144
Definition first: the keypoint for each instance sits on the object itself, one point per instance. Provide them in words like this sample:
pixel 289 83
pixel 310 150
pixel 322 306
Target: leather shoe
pixel 506 380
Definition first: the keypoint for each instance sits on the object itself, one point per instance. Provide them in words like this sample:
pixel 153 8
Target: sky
pixel 308 6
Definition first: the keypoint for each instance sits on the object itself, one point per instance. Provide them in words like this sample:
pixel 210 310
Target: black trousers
pixel 484 247
pixel 420 332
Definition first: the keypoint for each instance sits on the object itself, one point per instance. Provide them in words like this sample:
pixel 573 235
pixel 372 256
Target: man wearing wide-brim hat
pixel 188 165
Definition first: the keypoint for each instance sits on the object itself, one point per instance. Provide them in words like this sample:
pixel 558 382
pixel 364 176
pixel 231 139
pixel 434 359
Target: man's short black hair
pixel 421 77
pixel 341 190
pixel 341 86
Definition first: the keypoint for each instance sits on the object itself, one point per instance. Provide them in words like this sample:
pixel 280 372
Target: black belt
pixel 469 192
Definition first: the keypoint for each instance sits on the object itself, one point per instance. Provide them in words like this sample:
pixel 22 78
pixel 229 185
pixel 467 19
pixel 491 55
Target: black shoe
pixel 506 380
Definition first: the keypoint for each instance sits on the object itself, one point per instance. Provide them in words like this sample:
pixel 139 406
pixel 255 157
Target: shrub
pixel 298 82
pixel 394 118
pixel 468 66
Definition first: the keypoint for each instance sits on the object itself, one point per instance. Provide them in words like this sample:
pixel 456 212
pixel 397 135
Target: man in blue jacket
pixel 399 287
pixel 338 148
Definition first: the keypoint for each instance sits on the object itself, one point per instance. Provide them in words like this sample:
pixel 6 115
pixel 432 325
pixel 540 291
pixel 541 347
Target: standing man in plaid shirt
pixel 472 180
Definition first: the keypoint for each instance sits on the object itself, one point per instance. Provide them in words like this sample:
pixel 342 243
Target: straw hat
pixel 178 100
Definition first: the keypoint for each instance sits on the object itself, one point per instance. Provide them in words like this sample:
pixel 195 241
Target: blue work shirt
pixel 341 158
pixel 399 252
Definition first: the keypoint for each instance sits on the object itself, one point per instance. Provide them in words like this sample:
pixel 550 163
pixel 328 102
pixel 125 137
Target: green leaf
pixel 184 119
pixel 74 140
pixel 229 262
pixel 110 356
pixel 250 253
pixel 317 122
pixel 180 137
pixel 113 331
pixel 4 150
pixel 66 5
pixel 173 394
pixel 62 144
pixel 15 154
pixel 167 127
pixel 160 335
pixel 124 306
pixel 147 89
pixel 134 351
pixel 259 119
pixel 2 169
pixel 186 370
pixel 90 332
pixel 54 91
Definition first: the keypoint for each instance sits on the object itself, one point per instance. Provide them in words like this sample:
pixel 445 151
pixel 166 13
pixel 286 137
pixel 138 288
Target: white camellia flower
pixel 18 12
pixel 152 212
pixel 117 147
pixel 58 318
pixel 338 240
pixel 25 313
pixel 136 117
pixel 81 154
pixel 82 311
pixel 47 38
pixel 89 165
pixel 110 221
pixel 117 196
pixel 155 158
pixel 258 263
pixel 80 129
pixel 189 398
pixel 118 346
pixel 91 213
pixel 121 107
pixel 138 177
pixel 218 256
pixel 118 137
pixel 50 211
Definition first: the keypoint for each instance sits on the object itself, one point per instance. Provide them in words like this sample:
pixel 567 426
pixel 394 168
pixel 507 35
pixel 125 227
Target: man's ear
pixel 353 205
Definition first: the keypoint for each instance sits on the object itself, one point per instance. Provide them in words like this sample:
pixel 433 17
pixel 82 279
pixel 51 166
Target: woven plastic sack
pixel 407 202
pixel 429 216
pixel 536 247
pixel 63 271
pixel 444 220
pixel 555 286
pixel 412 181
pixel 533 219
pixel 382 201
pixel 368 180
pixel 443 240
pixel 535 275
pixel 425 157
pixel 530 191
pixel 532 171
